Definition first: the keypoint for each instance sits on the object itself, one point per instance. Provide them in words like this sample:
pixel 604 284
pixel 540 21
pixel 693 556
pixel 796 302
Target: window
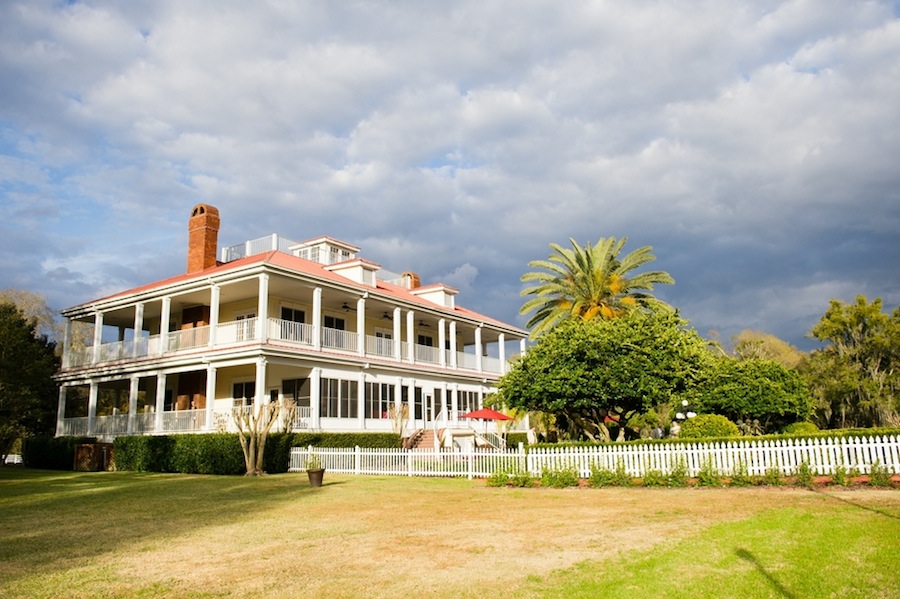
pixel 379 399
pixel 339 399
pixel 296 390
pixel 291 318
pixel 466 401
pixel 334 322
pixel 425 340
pixel 243 394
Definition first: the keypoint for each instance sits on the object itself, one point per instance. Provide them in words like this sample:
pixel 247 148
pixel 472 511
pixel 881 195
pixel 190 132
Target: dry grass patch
pixel 124 534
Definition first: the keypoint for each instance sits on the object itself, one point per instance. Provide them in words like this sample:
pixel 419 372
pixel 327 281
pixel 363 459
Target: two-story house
pixel 273 319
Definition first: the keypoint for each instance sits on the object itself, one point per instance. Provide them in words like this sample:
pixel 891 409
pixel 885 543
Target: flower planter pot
pixel 315 477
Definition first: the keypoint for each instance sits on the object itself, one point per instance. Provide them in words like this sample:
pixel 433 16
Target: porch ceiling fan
pixel 346 307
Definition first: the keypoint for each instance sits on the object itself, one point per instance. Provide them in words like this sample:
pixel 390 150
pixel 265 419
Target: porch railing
pixel 245 331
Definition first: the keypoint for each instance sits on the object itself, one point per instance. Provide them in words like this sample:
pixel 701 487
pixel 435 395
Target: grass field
pixel 65 534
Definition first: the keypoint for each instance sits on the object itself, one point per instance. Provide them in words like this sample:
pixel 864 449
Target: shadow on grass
pixel 50 517
pixel 869 508
pixel 777 586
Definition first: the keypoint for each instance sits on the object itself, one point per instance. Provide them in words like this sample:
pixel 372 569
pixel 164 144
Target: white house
pixel 271 319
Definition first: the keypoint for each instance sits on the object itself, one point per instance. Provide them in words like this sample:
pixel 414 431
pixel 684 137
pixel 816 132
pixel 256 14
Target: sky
pixel 754 145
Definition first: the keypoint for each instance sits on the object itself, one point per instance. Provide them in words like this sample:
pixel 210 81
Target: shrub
pixel 51 453
pixel 678 477
pixel 601 477
pixel 800 428
pixel 708 425
pixel 654 478
pixel 739 476
pixel 879 476
pixel 511 477
pixel 772 477
pixel 840 476
pixel 805 475
pixel 709 475
pixel 621 478
pixel 559 478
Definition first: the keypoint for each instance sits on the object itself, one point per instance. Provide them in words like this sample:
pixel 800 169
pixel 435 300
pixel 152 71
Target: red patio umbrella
pixel 487 414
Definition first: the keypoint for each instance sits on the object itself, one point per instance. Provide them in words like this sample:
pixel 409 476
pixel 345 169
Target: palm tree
pixel 590 282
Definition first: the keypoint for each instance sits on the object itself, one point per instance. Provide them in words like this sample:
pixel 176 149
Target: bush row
pixel 51 453
pixel 218 453
pixel 830 433
pixel 708 476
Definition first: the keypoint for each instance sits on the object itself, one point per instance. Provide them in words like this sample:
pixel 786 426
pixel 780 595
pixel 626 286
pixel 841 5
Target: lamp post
pixel 686 412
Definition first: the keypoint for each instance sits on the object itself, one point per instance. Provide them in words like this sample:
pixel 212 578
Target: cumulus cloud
pixel 752 144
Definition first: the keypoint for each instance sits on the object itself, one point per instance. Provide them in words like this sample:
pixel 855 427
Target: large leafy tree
pixel 28 393
pixel 855 378
pixel 587 372
pixel 590 282
pixel 757 345
pixel 755 389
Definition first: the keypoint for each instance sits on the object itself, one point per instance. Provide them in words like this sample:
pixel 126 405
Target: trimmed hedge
pixel 513 439
pixel 348 440
pixel 221 453
pixel 51 453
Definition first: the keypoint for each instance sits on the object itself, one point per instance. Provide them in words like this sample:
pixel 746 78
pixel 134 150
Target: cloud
pixel 751 144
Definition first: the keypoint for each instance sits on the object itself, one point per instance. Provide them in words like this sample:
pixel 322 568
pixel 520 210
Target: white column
pixel 214 295
pixel 317 321
pixel 315 397
pixel 61 410
pixel 478 350
pixel 411 401
pixel 444 405
pixel 398 394
pixel 361 326
pixel 160 402
pixel 522 347
pixel 262 398
pixel 92 408
pixel 132 402
pixel 501 342
pixel 454 403
pixel 361 401
pixel 98 335
pixel 67 342
pixel 396 334
pixel 165 315
pixel 263 309
pixel 210 396
pixel 442 342
pixel 138 328
pixel 453 350
pixel 411 335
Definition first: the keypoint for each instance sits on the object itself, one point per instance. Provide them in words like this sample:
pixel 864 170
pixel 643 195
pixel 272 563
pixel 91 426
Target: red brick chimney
pixel 203 237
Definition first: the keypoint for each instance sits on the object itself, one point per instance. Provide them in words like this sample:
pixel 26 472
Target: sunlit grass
pixel 128 534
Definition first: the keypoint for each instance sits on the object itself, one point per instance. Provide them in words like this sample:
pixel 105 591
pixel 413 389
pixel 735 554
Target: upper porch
pixel 292 303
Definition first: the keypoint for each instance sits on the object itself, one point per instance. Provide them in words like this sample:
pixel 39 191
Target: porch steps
pixel 422 439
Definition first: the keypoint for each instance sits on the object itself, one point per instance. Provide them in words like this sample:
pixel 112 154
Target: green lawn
pixel 66 534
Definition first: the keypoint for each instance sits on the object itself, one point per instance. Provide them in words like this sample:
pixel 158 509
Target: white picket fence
pixel 822 455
